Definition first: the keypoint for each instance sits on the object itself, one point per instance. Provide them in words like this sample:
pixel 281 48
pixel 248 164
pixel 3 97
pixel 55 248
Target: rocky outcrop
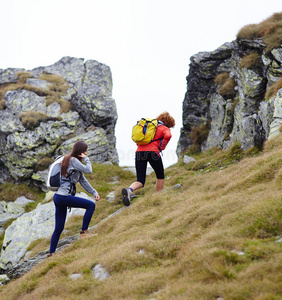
pixel 226 96
pixel 47 109
pixel 29 227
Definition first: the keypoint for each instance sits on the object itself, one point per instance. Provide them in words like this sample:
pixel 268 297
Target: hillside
pixel 217 237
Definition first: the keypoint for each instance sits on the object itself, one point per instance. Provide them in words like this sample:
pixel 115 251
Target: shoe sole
pixel 125 199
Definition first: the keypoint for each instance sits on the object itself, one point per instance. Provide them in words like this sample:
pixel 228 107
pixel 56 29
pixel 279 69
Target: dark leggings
pixel 154 159
pixel 61 204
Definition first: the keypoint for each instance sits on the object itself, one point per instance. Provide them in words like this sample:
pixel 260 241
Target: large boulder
pixel 79 107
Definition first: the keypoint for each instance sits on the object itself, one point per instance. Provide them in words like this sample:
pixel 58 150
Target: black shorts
pixel 154 159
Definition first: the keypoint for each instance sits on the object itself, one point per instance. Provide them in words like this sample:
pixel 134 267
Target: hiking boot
pixel 126 196
pixel 85 233
pixel 51 254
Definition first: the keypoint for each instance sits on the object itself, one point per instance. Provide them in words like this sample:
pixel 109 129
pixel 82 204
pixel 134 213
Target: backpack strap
pixel 159 139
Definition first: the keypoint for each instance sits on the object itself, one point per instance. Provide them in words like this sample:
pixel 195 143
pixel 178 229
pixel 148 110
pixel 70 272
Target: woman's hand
pixel 82 155
pixel 97 197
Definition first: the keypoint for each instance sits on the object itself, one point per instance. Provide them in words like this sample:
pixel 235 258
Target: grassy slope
pixel 190 237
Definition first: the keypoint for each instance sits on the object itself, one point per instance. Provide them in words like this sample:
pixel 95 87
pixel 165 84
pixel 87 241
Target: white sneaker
pixel 126 196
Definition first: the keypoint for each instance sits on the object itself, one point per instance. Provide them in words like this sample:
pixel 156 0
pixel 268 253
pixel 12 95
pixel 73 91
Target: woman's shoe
pixel 85 233
pixel 51 254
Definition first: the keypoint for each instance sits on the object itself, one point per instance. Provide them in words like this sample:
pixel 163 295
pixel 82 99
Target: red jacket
pixel 161 132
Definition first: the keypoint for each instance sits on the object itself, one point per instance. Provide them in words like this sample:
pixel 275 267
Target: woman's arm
pixel 166 137
pixel 77 165
pixel 86 185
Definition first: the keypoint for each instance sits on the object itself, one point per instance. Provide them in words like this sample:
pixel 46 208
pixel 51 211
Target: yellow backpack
pixel 143 132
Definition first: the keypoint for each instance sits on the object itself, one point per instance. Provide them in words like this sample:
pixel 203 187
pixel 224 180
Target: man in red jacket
pixel 151 153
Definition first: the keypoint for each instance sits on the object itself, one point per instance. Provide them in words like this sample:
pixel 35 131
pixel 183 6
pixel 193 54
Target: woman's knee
pixel 91 206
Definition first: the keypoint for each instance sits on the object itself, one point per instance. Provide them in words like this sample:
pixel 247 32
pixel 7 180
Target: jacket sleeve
pixel 166 137
pixel 86 185
pixel 77 165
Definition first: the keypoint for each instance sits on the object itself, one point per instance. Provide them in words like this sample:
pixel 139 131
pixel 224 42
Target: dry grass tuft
pixel 44 163
pixel 251 61
pixel 221 78
pixel 32 119
pixel 55 93
pixel 273 89
pixel 226 85
pixel 270 30
pixel 23 76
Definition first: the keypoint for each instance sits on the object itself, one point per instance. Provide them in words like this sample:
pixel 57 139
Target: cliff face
pixel 45 110
pixel 225 100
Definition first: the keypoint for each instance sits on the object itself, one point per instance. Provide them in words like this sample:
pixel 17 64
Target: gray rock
pixel 111 197
pixel 75 276
pixel 26 265
pixel 31 226
pixel 277 115
pixel 89 92
pixel 9 75
pixel 27 228
pixel 43 84
pixel 100 272
pixel 22 200
pixel 187 159
pixel 4 279
pixel 10 210
pixel 70 68
pixel 241 115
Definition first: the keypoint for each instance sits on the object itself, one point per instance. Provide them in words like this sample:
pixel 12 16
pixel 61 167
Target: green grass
pixel 10 192
pixel 214 237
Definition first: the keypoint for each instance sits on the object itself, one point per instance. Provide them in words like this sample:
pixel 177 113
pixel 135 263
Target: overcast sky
pixel 146 43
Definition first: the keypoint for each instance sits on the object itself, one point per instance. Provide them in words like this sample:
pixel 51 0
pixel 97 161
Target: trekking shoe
pixel 51 254
pixel 85 234
pixel 126 196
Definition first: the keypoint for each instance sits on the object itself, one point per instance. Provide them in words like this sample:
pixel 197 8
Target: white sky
pixel 146 43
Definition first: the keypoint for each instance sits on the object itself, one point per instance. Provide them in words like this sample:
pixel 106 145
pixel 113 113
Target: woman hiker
pixel 72 172
pixel 151 153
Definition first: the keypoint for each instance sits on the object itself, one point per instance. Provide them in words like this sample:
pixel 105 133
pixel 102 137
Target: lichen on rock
pixel 34 125
pixel 243 116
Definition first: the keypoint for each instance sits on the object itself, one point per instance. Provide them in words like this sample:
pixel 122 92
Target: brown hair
pixel 78 148
pixel 167 119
